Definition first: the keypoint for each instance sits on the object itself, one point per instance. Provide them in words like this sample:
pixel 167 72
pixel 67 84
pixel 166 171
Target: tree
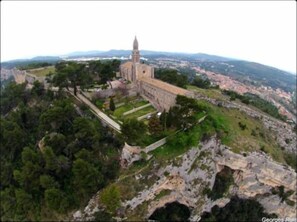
pixel 110 197
pixel 87 178
pixel 154 126
pixel 50 159
pixel 48 182
pixel 201 83
pixel 133 130
pixel 11 96
pixel 8 203
pixel 86 131
pixel 57 141
pixel 167 119
pixel 184 112
pixel 53 198
pixel 23 204
pixel 111 104
pixel 172 76
pixel 237 210
pixel 107 72
pixel 28 175
pixel 37 89
pixel 71 74
pixel 95 68
pixel 58 117
pixel 12 139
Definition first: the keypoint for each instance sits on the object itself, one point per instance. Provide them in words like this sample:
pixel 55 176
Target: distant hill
pixel 244 71
pixel 83 53
pixel 24 62
pixel 148 53
pixel 45 58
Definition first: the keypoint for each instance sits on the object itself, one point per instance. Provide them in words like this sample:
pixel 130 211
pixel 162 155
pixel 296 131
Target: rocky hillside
pixel 209 174
pixel 185 178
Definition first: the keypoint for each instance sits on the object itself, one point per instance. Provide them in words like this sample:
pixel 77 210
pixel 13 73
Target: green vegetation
pixel 291 159
pixel 257 102
pixel 5 82
pixel 190 131
pixel 129 104
pixel 222 183
pixel 42 72
pixel 111 104
pixel 13 95
pixel 140 112
pixel 211 93
pixel 110 197
pixel 201 83
pixel 35 65
pixel 133 131
pixel 162 194
pixel 103 71
pixel 237 210
pixel 172 76
pixel 280 191
pixel 154 126
pixel 240 140
pixel 72 74
pixel 52 159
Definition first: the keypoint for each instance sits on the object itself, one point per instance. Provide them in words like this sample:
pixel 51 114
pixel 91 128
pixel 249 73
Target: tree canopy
pixel 53 158
pixel 172 76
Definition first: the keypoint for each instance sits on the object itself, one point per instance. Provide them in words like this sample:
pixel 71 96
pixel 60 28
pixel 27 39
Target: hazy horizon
pixel 262 32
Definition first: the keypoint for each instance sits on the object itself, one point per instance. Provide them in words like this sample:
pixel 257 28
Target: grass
pixel 244 140
pixel 141 112
pixel 162 194
pixel 128 106
pixel 212 93
pixel 167 152
pixel 42 72
pixel 238 139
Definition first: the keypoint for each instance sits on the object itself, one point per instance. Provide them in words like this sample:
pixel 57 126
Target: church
pixel 160 94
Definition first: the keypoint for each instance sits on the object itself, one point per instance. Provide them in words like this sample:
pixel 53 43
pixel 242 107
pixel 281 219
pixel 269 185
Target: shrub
pixel 110 197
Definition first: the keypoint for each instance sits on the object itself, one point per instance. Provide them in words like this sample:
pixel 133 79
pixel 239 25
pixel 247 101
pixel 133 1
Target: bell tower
pixel 135 52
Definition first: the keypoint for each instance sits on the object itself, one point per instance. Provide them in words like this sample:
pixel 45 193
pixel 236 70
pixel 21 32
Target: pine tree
pixel 111 104
pixel 155 126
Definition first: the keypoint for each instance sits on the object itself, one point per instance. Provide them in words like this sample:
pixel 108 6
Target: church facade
pixel 160 94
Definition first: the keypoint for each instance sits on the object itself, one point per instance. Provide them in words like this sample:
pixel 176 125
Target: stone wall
pixel 160 98
pixel 143 70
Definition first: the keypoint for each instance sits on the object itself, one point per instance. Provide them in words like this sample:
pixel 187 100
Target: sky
pixel 259 31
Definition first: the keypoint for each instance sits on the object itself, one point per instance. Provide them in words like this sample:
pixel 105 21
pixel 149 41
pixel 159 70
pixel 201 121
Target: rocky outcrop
pixel 129 155
pixel 184 179
pixel 257 167
pixel 254 175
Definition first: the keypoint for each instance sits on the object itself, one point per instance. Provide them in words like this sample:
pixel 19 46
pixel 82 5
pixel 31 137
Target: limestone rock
pixel 129 155
pixel 185 177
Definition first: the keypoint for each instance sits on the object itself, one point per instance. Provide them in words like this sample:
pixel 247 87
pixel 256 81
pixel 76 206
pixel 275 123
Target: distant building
pixel 161 94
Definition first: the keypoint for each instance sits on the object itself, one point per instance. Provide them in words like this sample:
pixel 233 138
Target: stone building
pixel 160 94
pixel 134 70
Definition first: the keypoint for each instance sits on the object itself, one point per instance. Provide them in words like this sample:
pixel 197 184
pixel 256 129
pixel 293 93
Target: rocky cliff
pixel 185 178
